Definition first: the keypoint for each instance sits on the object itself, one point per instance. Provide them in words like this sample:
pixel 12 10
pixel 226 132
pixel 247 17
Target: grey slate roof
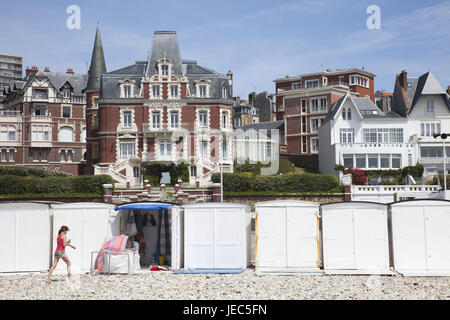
pixel 58 79
pixel 165 42
pixel 98 65
pixel 428 84
pixel 365 106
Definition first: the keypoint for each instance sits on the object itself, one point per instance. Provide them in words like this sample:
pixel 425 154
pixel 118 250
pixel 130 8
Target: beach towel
pixel 116 244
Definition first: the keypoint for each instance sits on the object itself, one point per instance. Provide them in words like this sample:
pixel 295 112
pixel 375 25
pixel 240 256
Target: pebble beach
pixel 245 286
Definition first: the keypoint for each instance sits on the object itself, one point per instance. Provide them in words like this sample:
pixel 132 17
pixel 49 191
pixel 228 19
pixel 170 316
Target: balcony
pixel 39 96
pixel 40 118
pixel 331 84
pixel 380 146
pixel 10 116
pixel 167 127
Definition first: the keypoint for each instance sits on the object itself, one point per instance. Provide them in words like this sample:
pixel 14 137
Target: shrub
pixel 234 182
pixel 358 176
pixel 284 167
pixel 90 184
pixel 29 172
pixel 415 171
pixel 54 184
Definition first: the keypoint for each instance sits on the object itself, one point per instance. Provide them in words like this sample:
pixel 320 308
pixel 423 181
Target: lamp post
pixel 443 137
pixel 221 168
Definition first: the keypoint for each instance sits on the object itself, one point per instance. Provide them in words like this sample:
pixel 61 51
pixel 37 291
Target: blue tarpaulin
pixel 144 206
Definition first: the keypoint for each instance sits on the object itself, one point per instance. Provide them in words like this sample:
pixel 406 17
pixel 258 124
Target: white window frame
pixel 127 154
pixel 127 118
pixel 178 91
pixel 203 124
pixel 153 87
pixel 314 145
pixel 156 124
pixel 173 124
pixel 308 82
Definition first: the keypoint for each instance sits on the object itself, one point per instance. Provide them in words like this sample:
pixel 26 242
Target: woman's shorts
pixel 59 254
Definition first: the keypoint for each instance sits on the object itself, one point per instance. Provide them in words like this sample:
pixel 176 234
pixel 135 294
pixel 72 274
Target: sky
pixel 258 40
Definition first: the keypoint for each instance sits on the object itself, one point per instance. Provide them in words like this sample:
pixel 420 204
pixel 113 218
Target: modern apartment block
pixel 304 101
pixel 165 109
pixel 43 122
pixel 10 71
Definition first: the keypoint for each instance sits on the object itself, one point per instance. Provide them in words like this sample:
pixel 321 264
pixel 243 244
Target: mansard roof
pixel 165 44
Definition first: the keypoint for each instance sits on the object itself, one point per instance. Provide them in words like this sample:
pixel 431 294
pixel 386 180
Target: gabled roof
pixel 364 107
pixel 428 84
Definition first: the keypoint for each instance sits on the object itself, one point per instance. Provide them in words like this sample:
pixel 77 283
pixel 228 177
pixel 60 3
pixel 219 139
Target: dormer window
pixel 202 88
pixel 343 113
pixel 202 91
pixel 126 91
pixel 66 93
pixel 224 92
pixel 164 70
pixel 349 114
pixel 127 88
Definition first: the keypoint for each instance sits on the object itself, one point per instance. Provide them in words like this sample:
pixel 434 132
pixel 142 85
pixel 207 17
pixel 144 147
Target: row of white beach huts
pixel 407 237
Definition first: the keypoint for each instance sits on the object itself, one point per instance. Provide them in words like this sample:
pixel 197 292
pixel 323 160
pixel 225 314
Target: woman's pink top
pixel 60 243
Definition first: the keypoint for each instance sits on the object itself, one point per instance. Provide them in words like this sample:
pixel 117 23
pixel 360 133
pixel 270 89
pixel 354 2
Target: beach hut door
pixel 177 236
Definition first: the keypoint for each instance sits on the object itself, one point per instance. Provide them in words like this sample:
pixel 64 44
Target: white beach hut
pixel 421 237
pixel 287 236
pixel 25 237
pixel 89 225
pixel 355 238
pixel 216 236
pixel 162 238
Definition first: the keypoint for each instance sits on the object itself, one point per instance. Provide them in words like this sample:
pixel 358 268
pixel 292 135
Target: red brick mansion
pixel 163 109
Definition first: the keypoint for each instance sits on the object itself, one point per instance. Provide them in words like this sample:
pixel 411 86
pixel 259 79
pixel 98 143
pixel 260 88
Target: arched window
pixel 66 134
pixel 349 114
pixel 224 92
pixel 343 113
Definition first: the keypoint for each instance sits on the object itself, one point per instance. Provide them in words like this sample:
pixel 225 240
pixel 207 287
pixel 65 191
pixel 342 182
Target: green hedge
pixel 415 171
pixel 235 182
pixel 29 172
pixel 55 185
pixel 284 167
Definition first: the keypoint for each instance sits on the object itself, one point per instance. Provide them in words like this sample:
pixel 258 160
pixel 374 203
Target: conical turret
pixel 98 65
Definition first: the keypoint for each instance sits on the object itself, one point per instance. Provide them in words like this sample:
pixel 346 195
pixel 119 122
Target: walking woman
pixel 60 253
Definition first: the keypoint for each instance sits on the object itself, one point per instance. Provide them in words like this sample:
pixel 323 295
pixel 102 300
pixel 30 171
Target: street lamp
pixel 443 137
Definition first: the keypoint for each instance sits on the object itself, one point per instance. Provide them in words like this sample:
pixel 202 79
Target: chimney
pixel 230 81
pixel 70 71
pixel 29 71
pixel 403 79
pixel 47 69
pixel 251 99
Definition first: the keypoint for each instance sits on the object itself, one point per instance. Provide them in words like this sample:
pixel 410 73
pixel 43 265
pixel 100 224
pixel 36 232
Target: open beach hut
pixel 287 236
pixel 25 237
pixel 157 227
pixel 355 238
pixel 421 237
pixel 88 223
pixel 217 236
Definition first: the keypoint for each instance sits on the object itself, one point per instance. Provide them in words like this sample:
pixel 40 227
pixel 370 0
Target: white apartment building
pixel 357 133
